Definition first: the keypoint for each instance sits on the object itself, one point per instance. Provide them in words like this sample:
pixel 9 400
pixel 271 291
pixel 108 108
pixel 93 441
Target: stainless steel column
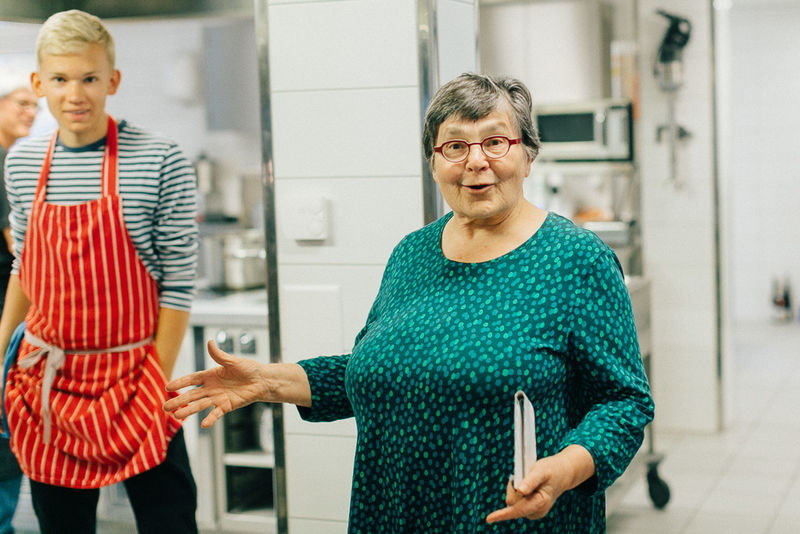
pixel 428 62
pixel 273 313
pixel 721 310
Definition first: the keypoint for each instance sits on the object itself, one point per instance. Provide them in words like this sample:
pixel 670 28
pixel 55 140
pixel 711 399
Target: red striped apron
pixel 84 398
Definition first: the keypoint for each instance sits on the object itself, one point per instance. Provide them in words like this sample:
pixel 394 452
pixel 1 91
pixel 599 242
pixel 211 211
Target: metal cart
pixel 648 459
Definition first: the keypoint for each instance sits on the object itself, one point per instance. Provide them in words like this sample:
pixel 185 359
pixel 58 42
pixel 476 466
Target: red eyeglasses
pixel 494 147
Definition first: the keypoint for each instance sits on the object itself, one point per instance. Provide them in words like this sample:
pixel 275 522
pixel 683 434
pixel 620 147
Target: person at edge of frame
pixel 18 107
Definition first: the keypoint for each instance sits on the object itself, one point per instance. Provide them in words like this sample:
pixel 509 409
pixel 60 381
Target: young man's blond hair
pixel 70 32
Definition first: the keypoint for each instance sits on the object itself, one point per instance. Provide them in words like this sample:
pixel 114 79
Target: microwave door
pixel 569 135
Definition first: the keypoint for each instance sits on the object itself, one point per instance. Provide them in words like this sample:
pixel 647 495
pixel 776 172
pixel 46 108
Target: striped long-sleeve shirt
pixel 159 204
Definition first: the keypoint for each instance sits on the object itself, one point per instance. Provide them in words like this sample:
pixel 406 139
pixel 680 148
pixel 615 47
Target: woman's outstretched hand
pixel 236 383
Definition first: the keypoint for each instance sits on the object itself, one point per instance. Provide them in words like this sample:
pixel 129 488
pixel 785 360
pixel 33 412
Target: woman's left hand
pixel 546 480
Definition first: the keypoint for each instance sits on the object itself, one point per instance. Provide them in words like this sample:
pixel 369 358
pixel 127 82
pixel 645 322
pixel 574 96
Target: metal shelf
pixel 584 168
pixel 260 520
pixel 252 458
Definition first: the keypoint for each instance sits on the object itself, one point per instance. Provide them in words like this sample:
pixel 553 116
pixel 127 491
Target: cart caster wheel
pixel 658 489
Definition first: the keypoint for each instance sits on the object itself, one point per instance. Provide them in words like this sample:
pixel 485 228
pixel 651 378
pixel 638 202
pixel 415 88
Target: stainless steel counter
pixel 243 308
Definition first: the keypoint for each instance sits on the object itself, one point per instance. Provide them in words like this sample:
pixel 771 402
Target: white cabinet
pixel 328 496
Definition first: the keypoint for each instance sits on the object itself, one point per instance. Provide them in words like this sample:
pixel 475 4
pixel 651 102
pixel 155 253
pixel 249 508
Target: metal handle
pixel 241 254
pixel 601 128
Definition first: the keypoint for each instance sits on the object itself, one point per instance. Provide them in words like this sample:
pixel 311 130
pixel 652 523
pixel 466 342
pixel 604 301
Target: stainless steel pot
pixel 234 260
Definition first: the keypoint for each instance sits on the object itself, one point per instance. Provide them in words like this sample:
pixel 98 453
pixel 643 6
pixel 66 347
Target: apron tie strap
pixel 54 360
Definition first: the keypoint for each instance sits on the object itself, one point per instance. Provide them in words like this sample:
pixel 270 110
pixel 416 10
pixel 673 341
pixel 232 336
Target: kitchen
pixel 329 282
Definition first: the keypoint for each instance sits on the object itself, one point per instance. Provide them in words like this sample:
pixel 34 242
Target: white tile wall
pixel 363 229
pixel 327 45
pixel 763 156
pixel 689 330
pixel 679 238
pixel 321 306
pixel 364 132
pixel 319 470
pixel 678 228
pixel 359 286
pixel 672 288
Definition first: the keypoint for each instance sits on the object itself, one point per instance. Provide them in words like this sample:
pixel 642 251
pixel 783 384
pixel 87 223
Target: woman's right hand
pixel 546 480
pixel 236 383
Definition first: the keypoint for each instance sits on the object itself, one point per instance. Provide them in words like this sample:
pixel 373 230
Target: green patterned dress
pixel 432 376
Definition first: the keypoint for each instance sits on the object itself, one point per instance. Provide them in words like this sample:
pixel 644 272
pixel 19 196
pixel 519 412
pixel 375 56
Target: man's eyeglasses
pixel 27 105
pixel 494 147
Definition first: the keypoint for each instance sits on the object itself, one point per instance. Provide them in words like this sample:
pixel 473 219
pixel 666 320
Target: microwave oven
pixel 599 130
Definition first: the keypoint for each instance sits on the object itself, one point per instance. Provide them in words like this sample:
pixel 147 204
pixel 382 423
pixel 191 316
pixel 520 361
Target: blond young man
pixel 18 107
pixel 105 240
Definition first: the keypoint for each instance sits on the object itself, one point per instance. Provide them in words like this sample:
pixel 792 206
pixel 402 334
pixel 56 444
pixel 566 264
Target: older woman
pixel 495 297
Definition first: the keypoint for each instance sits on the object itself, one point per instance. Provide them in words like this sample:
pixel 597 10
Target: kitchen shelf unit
pixel 245 498
pixel 252 458
pixel 613 187
pixel 243 464
pixel 622 183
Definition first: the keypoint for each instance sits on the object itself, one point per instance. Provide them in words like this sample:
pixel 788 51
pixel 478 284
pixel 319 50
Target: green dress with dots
pixel 432 376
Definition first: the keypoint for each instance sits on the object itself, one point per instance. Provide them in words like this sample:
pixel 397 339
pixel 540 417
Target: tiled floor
pixel 745 480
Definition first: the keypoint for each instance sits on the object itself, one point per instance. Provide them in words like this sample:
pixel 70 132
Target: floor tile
pixel 757 506
pixel 785 525
pixel 743 480
pixel 728 524
pixel 642 519
pixel 790 507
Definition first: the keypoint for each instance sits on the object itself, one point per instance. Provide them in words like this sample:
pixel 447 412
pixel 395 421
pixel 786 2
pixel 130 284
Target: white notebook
pixel 524 436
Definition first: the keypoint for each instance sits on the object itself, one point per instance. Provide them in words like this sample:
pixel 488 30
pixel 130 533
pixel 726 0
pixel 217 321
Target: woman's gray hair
pixel 12 81
pixel 472 97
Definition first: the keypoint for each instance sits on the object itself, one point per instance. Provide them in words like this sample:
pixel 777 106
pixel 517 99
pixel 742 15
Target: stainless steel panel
pixel 613 233
pixel 17 11
pixel 428 57
pixel 159 8
pixel 261 9
pixel 39 10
